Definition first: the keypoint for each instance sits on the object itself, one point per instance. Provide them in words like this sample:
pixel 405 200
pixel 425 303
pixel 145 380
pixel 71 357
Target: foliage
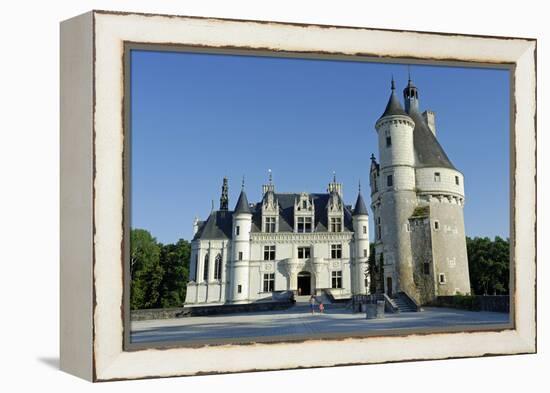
pixel 489 264
pixel 371 268
pixel 158 272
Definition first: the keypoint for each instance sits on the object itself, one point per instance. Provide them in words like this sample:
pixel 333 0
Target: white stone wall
pixel 425 181
pixel 401 151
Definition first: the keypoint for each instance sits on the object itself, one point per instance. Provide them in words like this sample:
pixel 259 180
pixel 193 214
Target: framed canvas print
pixel 247 195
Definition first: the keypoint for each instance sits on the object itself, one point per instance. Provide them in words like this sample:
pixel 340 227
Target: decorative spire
pixel 270 176
pixel 372 157
pixel 242 185
pixel 224 198
pixel 392 83
pixel 359 186
pixel 269 187
pixel 334 176
pixel 360 207
pixel 410 93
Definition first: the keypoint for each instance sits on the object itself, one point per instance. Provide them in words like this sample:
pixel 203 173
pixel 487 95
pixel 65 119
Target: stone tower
pixel 417 200
pixel 242 224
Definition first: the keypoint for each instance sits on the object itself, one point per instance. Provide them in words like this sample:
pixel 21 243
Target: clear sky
pixel 199 117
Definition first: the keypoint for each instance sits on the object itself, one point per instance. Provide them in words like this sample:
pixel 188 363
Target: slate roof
pixel 219 223
pixel 242 204
pixel 394 106
pixel 429 153
pixel 360 207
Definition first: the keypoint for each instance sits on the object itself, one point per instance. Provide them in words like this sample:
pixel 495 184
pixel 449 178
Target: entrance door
pixel 304 283
pixel 389 286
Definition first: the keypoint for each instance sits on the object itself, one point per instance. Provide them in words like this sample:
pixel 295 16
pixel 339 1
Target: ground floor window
pixel 337 279
pixel 442 279
pixel 426 268
pixel 269 282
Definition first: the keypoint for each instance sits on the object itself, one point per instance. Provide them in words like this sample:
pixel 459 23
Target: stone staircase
pixel 403 303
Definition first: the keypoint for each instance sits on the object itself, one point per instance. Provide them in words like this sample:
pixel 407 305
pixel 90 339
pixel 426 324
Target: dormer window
pixel 270 224
pixel 304 224
pixel 304 204
pixel 335 224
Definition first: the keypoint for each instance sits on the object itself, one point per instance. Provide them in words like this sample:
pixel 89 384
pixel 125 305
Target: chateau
pixel 314 243
pixel 417 202
pixel 300 242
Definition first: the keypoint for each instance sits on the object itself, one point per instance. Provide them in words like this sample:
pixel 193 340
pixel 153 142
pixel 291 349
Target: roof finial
pixel 392 83
pixel 334 176
pixel 270 176
pixel 359 186
pixel 212 205
pixel 372 157
pixel 409 72
pixel 242 184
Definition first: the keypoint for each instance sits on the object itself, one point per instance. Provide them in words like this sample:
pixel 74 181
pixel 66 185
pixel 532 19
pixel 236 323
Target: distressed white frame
pixel 92 166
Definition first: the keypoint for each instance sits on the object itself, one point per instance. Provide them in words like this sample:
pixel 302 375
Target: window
pixel 218 267
pixel 237 230
pixel 269 282
pixel 390 180
pixel 269 253
pixel 336 224
pixel 408 227
pixel 304 224
pixel 304 252
pixel 426 268
pixel 378 229
pixel 240 255
pixel 442 279
pixel 337 279
pixel 365 253
pixel 437 177
pixel 205 272
pixel 304 204
pixel 270 224
pixel 388 141
pixel 195 273
pixel 457 180
pixel 436 225
pixel 239 288
pixel 364 229
pixel 336 251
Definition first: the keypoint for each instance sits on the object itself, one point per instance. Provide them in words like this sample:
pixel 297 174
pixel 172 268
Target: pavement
pixel 298 321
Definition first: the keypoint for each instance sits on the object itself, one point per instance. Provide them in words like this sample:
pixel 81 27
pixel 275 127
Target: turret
pixel 410 93
pixel 242 223
pixel 360 219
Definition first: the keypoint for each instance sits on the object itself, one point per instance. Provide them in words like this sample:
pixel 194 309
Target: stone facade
pixel 417 201
pixel 299 242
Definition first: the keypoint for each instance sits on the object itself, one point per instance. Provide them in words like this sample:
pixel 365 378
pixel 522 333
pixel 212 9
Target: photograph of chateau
pixel 341 199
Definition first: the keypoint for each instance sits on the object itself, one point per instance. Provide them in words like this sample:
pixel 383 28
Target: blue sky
pixel 199 117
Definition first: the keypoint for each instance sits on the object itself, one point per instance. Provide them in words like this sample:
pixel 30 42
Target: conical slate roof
pixel 242 205
pixel 394 106
pixel 360 207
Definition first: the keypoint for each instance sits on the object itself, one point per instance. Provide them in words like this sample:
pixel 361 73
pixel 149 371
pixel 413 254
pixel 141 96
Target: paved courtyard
pixel 298 321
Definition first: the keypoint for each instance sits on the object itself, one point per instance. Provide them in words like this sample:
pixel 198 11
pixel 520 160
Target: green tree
pixel 145 270
pixel 174 260
pixel 489 264
pixel 371 268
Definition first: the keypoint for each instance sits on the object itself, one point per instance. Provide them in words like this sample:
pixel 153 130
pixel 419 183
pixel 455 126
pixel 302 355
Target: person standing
pixel 312 304
pixel 321 308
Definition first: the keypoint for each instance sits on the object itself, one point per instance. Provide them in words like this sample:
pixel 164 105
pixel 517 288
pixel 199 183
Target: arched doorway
pixel 304 283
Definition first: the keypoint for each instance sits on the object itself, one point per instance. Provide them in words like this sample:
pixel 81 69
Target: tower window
pixel 378 229
pixel 269 282
pixel 436 225
pixel 336 224
pixel 304 252
pixel 365 253
pixel 442 278
pixel 269 253
pixel 426 268
pixel 388 141
pixel 237 230
pixel 364 229
pixel 336 251
pixel 240 255
pixel 457 180
pixel 437 177
pixel 239 288
pixel 336 279
pixel 390 180
pixel 270 224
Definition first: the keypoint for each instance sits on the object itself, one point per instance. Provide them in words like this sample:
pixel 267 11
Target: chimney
pixel 429 118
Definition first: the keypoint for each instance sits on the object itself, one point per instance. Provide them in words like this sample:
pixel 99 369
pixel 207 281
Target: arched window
pixel 205 275
pixel 218 267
